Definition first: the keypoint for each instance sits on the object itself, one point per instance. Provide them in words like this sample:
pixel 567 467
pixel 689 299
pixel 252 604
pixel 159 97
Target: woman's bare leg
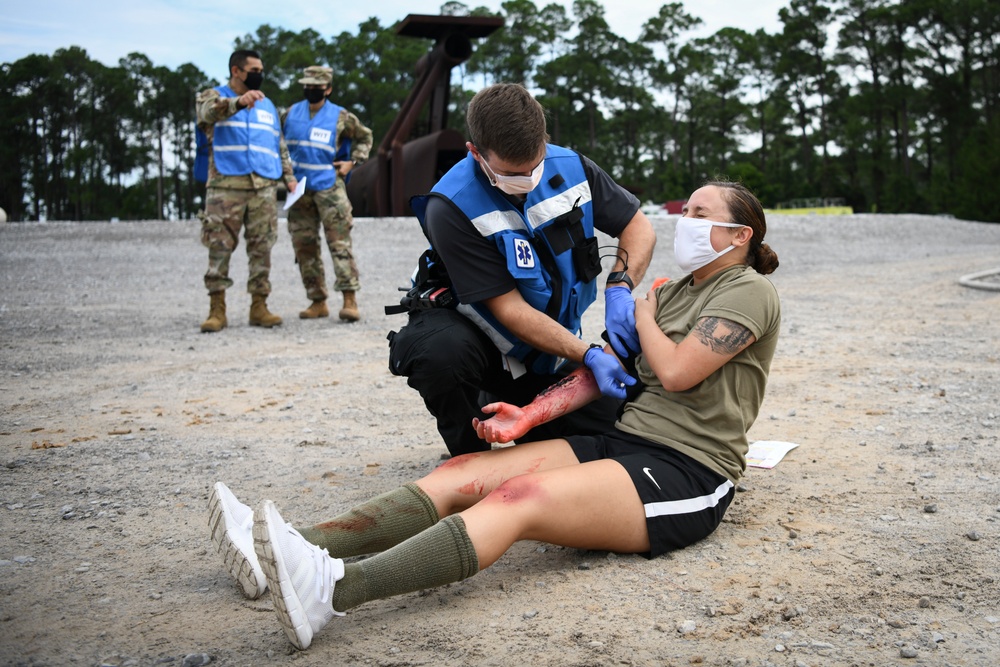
pixel 463 481
pixel 534 491
pixel 586 506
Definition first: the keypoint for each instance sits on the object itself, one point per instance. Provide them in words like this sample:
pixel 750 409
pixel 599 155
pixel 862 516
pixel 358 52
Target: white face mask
pixel 516 185
pixel 693 243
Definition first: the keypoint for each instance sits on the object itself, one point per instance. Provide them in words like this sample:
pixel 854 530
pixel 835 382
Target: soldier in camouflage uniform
pixel 326 141
pixel 247 160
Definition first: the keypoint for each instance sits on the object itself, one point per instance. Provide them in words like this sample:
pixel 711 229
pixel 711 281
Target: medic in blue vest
pixel 513 225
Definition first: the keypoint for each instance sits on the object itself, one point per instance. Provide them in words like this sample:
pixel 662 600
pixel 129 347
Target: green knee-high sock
pixel 376 525
pixel 442 554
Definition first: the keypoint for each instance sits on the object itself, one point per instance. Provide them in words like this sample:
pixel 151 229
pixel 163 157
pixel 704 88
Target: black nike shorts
pixel 684 500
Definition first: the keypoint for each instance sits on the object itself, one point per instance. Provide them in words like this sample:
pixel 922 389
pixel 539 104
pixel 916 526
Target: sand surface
pixel 875 542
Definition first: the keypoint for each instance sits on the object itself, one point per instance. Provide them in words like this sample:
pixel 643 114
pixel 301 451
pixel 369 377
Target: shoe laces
pixel 323 565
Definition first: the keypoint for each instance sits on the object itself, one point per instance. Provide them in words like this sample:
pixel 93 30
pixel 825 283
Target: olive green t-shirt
pixel 709 422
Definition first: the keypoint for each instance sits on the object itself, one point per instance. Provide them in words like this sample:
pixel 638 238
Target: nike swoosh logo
pixel 650 476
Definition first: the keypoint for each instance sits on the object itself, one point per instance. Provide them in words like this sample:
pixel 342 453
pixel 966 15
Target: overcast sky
pixel 173 32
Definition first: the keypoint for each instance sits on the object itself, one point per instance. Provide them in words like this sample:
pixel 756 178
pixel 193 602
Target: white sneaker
pixel 300 575
pixel 231 523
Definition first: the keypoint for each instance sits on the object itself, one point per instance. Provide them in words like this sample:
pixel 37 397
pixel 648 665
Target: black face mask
pixel 313 95
pixel 253 80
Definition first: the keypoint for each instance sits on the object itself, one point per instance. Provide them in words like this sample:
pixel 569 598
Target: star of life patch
pixel 524 254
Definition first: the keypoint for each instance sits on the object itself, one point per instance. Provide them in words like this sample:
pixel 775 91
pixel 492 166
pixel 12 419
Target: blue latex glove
pixel 611 377
pixel 619 320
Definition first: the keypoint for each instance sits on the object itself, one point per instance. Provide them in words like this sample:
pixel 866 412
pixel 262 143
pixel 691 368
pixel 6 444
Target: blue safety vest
pixel 202 147
pixel 312 143
pixel 249 141
pixel 534 242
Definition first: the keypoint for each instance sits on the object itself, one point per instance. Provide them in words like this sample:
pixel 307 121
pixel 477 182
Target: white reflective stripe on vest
pixel 266 151
pixel 313 167
pixel 244 147
pixel 493 222
pixel 502 343
pixel 314 144
pixel 688 505
pixel 262 126
pixel 490 223
pixel 544 211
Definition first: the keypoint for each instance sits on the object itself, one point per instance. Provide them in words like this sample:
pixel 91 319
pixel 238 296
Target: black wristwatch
pixel 620 277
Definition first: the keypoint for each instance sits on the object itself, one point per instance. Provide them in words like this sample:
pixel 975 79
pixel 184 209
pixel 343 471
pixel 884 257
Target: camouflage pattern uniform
pixel 330 208
pixel 232 202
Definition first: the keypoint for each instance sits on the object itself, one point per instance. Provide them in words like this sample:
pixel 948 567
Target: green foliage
pixel 890 105
pixel 90 142
pixel 749 175
pixel 512 53
pixel 373 72
pixel 979 164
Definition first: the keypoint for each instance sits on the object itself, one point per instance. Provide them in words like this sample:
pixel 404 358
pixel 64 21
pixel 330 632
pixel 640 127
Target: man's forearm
pixel 535 327
pixel 212 107
pixel 287 170
pixel 637 241
pixel 362 139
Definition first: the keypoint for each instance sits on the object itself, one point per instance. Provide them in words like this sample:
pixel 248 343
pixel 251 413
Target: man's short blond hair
pixel 505 120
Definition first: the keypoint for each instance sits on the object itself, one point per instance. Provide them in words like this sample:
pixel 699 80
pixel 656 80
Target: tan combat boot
pixel 317 309
pixel 260 316
pixel 216 313
pixel 349 313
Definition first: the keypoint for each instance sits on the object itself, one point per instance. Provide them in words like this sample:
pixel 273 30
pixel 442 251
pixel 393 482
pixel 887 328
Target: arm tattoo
pixel 721 335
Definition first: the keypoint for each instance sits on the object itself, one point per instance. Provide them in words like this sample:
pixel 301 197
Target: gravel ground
pixel 875 542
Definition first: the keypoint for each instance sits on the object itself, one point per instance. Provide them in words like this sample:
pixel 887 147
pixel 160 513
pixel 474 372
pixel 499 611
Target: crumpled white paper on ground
pixel 767 453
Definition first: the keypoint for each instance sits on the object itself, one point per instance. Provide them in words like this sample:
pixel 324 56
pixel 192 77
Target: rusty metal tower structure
pixel 411 159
